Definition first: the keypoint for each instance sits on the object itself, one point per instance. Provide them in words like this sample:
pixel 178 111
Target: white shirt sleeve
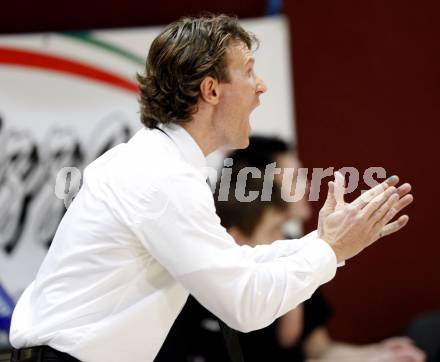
pixel 247 287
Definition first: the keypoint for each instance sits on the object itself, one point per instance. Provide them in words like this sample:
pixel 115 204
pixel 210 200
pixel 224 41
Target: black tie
pixel 231 341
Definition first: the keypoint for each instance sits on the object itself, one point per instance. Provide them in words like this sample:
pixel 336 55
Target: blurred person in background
pixel 424 330
pixel 300 334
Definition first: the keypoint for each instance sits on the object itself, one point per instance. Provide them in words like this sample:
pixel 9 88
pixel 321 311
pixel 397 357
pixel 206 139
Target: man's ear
pixel 210 90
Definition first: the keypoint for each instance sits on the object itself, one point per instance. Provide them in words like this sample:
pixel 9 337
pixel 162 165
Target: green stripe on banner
pixel 88 38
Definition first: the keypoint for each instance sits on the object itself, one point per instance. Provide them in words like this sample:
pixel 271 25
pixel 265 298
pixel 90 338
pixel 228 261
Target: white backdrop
pixel 65 99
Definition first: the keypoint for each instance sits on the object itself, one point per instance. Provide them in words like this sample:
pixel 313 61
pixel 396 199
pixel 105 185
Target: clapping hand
pixel 351 227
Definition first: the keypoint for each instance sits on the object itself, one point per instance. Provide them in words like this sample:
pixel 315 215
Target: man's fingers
pixel 384 210
pixel 392 181
pixel 376 203
pixel 394 226
pixel 382 218
pixel 339 189
pixel 367 196
pixel 404 202
pixel 330 201
pixel 403 189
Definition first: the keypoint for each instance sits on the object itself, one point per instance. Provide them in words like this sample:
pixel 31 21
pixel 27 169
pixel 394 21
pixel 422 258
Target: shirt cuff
pixel 321 256
pixel 314 234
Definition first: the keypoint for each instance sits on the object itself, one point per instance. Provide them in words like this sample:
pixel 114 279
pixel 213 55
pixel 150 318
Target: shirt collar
pixel 187 146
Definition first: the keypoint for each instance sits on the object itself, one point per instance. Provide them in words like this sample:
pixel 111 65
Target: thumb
pixel 339 189
pixel 330 201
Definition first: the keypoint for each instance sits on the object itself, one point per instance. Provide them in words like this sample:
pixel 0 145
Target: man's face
pixel 238 98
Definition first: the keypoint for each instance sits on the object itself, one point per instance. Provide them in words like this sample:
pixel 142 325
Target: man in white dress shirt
pixel 143 233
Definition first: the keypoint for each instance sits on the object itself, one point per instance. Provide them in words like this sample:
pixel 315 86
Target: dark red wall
pixel 367 88
pixel 367 84
pixel 52 15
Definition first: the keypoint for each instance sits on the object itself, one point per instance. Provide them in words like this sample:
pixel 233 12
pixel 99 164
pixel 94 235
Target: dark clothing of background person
pixel 196 336
pixel 425 332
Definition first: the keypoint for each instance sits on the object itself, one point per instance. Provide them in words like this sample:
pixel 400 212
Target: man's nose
pixel 261 86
